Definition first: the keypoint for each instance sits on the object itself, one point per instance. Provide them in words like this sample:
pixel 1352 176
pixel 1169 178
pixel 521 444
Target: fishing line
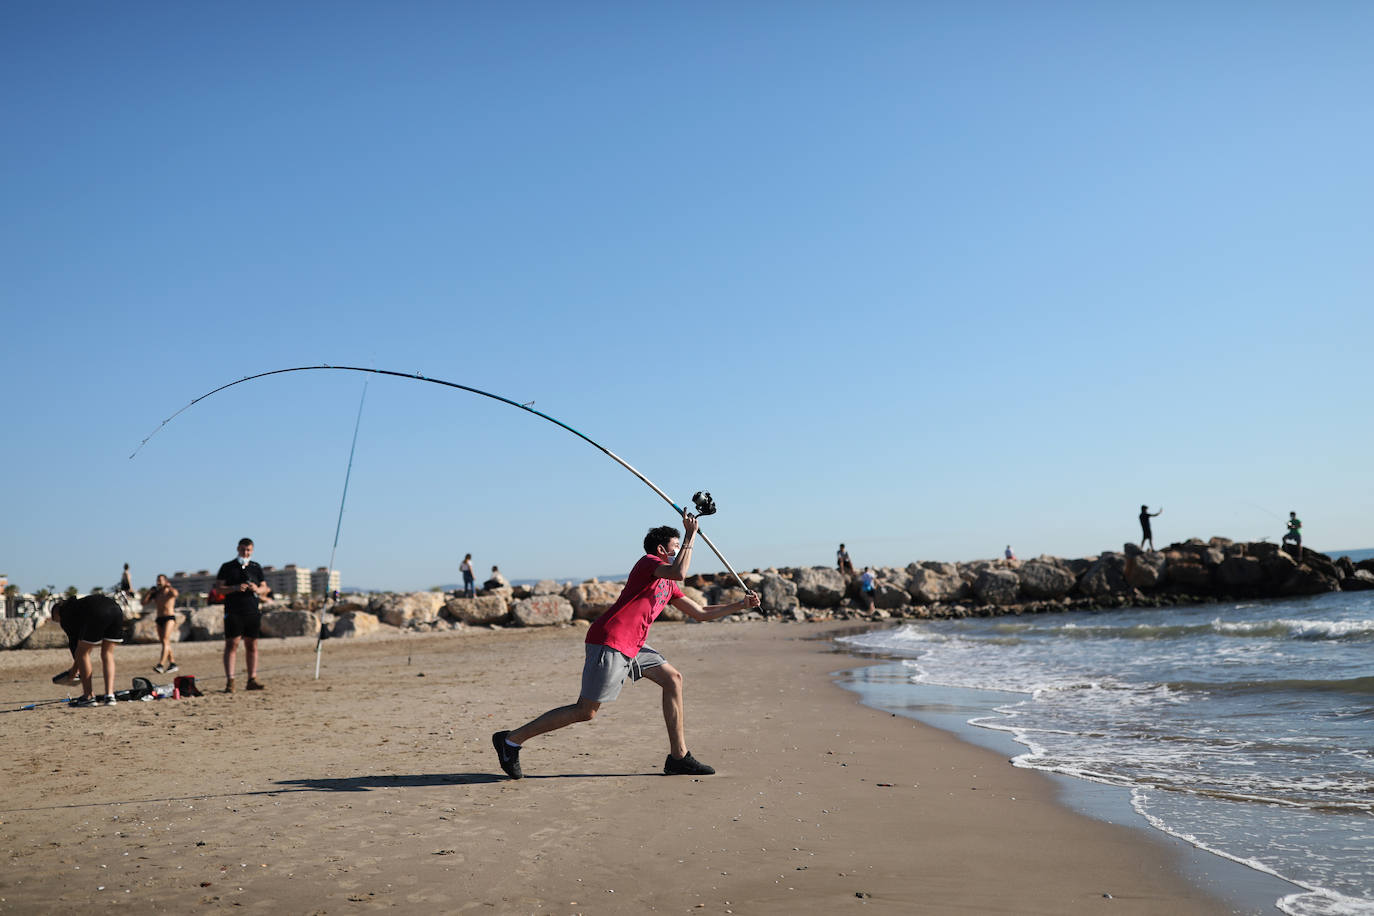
pixel 416 376
pixel 329 570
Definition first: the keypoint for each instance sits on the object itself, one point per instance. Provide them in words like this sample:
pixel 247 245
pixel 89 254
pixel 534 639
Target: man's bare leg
pixel 250 657
pixel 107 666
pixel 583 710
pixel 670 679
pixel 84 668
pixel 231 652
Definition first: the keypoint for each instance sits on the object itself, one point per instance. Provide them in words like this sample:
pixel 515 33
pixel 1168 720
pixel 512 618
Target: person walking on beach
pixel 240 580
pixel 1145 533
pixel 616 649
pixel 164 596
pixel 469 582
pixel 95 620
pixel 843 563
pixel 1294 535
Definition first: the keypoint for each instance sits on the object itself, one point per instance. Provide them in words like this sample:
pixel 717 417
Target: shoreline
pixel 1247 889
pixel 376 787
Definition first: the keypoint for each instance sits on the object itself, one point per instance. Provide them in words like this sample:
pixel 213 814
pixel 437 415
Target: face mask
pixel 243 561
pixel 671 557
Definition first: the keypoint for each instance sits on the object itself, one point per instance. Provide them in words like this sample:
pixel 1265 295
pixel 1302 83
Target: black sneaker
pixel 85 702
pixel 507 756
pixel 110 699
pixel 158 667
pixel 172 667
pixel 65 677
pixel 687 766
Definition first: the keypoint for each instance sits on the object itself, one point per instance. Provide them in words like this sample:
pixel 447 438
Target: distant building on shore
pixel 289 580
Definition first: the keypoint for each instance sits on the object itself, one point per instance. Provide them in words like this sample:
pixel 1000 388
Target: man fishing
pixel 616 649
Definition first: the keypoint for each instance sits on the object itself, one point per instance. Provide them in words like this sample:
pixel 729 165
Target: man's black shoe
pixel 507 756
pixel 687 766
pixel 65 677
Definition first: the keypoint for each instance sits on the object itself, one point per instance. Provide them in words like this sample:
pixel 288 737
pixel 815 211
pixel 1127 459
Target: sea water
pixel 1245 728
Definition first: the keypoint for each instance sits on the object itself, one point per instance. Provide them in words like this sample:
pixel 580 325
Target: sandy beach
pixel 376 788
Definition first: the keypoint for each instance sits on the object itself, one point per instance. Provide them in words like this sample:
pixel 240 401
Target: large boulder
pixel 1145 570
pixel 1308 580
pixel 1240 573
pixel 206 623
pixel 777 595
pixel 1361 580
pixel 888 596
pixel 997 586
pixel 1105 577
pixel 480 611
pixel 45 635
pixel 817 586
pixel 412 607
pixel 1189 576
pixel 545 587
pixel 283 623
pixel 14 630
pixel 936 586
pixel 590 599
pixel 543 611
pixel 1045 580
pixel 354 623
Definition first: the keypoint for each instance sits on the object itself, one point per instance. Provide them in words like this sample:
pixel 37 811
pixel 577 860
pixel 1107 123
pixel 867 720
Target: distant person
pixel 1145 533
pixel 164 597
pixel 1009 555
pixel 867 585
pixel 616 650
pixel 1294 535
pixel 241 582
pixel 96 620
pixel 843 563
pixel 126 582
pixel 495 580
pixel 469 582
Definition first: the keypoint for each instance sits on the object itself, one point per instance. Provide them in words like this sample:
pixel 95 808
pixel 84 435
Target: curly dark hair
pixel 659 537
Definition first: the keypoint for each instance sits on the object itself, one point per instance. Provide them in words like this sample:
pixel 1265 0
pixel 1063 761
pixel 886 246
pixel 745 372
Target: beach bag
pixel 186 686
pixel 142 689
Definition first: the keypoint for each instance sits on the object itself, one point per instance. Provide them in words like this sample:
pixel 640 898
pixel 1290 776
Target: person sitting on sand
pixel 95 620
pixel 616 649
pixel 165 597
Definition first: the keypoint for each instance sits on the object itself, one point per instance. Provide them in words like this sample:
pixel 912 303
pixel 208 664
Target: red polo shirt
pixel 625 625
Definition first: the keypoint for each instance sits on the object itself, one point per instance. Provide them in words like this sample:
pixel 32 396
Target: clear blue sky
pixel 926 278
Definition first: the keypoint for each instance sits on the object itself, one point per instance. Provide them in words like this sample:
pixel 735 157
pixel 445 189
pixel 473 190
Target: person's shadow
pixel 422 780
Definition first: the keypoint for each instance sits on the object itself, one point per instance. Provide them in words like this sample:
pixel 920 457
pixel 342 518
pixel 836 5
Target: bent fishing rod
pixel 702 500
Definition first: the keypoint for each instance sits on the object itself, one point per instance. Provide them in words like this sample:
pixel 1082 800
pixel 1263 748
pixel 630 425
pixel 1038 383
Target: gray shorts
pixel 603 674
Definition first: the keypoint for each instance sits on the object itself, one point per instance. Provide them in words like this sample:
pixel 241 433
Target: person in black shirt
pixel 1145 533
pixel 241 582
pixel 95 620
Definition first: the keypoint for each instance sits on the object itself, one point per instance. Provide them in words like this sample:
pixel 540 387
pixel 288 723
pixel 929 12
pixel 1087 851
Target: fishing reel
pixel 704 503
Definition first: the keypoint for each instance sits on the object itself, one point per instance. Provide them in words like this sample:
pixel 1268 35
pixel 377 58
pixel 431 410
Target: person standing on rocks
pixel 241 582
pixel 867 583
pixel 1294 535
pixel 164 596
pixel 616 649
pixel 1145 533
pixel 469 581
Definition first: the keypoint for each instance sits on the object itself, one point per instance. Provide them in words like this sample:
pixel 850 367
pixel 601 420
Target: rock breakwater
pixel 1189 572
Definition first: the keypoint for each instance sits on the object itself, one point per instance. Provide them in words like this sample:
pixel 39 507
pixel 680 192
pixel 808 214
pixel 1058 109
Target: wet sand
pixel 376 788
